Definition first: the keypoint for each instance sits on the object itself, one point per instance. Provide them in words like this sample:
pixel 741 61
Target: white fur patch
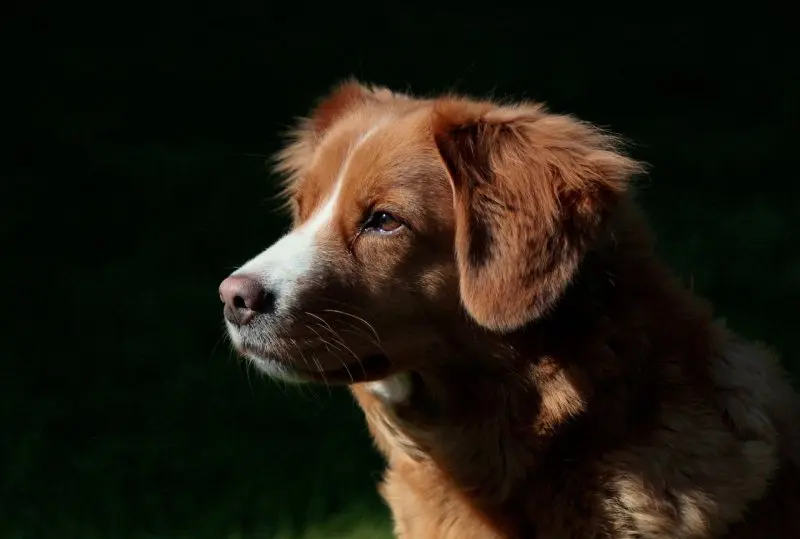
pixel 392 390
pixel 291 260
pixel 285 267
pixel 275 369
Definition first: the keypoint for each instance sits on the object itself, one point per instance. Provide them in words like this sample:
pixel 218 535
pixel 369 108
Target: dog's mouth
pixel 303 369
pixel 372 367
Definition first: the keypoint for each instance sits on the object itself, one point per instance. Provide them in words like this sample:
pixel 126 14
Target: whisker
pixel 371 328
pixel 324 322
pixel 222 337
pixel 248 366
pixel 322 373
pixel 343 303
pixel 334 334
pixel 305 362
pixel 320 370
pixel 339 359
pixel 357 330
pixel 342 343
pixel 360 332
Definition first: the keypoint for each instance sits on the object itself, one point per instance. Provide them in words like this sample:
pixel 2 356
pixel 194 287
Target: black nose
pixel 244 297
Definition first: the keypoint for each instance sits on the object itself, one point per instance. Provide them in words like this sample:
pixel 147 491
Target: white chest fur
pixel 392 390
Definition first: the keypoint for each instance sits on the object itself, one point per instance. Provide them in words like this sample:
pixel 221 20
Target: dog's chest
pixel 424 507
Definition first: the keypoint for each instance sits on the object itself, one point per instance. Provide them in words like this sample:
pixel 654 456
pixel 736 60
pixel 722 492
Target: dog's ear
pixel 532 190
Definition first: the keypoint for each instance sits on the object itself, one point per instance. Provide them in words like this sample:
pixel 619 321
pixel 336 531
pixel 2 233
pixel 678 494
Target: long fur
pixel 569 386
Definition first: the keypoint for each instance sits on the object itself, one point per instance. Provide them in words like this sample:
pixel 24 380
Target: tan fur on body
pixel 664 425
pixel 561 383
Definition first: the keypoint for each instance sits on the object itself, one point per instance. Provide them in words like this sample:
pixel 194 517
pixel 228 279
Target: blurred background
pixel 136 179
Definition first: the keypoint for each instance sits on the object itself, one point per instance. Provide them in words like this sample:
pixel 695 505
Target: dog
pixel 480 276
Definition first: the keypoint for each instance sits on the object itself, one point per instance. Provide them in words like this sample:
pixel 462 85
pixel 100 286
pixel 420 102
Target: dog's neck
pixel 557 391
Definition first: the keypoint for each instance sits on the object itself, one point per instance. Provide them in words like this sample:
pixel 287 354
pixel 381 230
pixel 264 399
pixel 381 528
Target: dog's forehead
pixel 366 152
pixel 328 159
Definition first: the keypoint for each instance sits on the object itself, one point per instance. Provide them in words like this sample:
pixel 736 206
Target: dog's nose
pixel 243 297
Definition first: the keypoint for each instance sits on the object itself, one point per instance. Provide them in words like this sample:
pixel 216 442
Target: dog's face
pixel 417 222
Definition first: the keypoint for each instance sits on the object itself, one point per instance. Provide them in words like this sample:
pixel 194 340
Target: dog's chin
pixel 367 369
pixel 276 369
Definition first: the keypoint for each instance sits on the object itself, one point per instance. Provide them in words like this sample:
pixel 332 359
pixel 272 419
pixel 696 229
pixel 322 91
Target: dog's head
pixel 416 220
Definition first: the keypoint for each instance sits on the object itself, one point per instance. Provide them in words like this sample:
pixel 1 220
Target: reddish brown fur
pixel 565 384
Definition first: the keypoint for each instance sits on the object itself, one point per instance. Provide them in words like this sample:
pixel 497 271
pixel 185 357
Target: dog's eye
pixel 383 222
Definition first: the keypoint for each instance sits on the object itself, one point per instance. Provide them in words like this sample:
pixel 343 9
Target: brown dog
pixel 480 277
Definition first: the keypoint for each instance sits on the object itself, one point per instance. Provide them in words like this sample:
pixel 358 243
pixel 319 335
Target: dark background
pixel 137 180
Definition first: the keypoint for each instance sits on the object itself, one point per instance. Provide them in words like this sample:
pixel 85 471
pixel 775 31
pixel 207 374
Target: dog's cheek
pixel 382 260
pixel 438 284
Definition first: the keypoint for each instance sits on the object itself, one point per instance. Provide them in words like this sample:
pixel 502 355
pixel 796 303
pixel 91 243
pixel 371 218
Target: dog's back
pixel 723 466
pixel 764 410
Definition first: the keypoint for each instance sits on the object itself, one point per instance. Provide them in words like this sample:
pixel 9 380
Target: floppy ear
pixel 532 191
